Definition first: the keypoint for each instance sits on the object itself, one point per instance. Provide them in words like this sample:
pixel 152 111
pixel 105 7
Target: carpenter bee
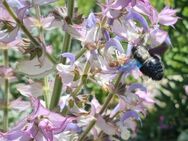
pixel 151 64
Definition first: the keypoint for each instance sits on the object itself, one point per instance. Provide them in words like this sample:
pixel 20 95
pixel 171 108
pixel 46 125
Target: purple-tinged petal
pixel 126 29
pixel 5 16
pixel 19 105
pixel 106 35
pixel 94 34
pixel 34 89
pixel 11 45
pixel 168 41
pixel 147 9
pixel 60 123
pixel 165 20
pixel 129 66
pixel 13 135
pixel 6 72
pixel 120 4
pixel 136 73
pixel 133 3
pixel 70 56
pixel 63 101
pixel 114 43
pixel 73 128
pixel 67 74
pixel 157 37
pixel 130 114
pixel 95 106
pixel 105 127
pixel 144 95
pixel 118 38
pixel 35 69
pixel 15 4
pixel 46 128
pixel 168 16
pixel 136 86
pixel 75 31
pixel 143 8
pixel 40 137
pixel 138 17
pixel 7 37
pixel 19 132
pixel 112 13
pixel 129 50
pixel 119 107
pixel 91 20
pixel 21 12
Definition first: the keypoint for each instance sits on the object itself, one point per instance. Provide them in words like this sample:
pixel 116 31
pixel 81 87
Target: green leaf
pixel 85 6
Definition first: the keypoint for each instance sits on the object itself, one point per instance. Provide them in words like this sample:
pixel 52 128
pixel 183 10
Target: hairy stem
pixel 46 91
pixel 82 51
pixel 20 23
pixel 66 47
pixel 24 29
pixel 6 93
pixel 104 107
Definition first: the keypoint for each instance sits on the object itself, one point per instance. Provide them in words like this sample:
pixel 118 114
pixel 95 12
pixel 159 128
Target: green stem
pixel 66 47
pixel 6 94
pixel 83 79
pixel 46 91
pixel 20 23
pixel 84 134
pixel 104 107
pixel 24 29
pixel 80 53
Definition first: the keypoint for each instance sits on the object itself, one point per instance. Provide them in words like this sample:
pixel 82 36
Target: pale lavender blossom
pixel 41 124
pixel 168 16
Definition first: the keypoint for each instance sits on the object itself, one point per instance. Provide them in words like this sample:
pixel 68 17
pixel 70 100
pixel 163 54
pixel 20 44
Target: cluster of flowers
pixel 107 38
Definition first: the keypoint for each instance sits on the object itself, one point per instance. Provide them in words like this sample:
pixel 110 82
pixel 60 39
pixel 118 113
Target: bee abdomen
pixel 153 68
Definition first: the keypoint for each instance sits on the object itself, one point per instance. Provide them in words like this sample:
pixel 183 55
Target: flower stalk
pixel 104 107
pixel 20 23
pixel 66 47
pixel 24 29
pixel 6 93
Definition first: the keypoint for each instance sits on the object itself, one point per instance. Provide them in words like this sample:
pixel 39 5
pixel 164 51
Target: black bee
pixel 151 64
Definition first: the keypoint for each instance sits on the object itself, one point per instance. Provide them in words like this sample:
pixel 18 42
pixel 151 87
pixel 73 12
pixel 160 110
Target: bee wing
pixel 160 50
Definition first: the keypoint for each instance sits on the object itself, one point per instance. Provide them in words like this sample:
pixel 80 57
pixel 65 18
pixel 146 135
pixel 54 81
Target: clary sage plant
pixel 62 110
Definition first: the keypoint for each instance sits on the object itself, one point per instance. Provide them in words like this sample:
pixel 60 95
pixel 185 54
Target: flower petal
pixel 33 69
pixel 91 20
pixel 105 127
pixel 114 43
pixel 34 89
pixel 70 56
pixel 130 114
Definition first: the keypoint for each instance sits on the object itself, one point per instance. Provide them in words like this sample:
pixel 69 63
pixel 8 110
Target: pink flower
pixel 168 16
pixel 6 72
pixel 39 125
